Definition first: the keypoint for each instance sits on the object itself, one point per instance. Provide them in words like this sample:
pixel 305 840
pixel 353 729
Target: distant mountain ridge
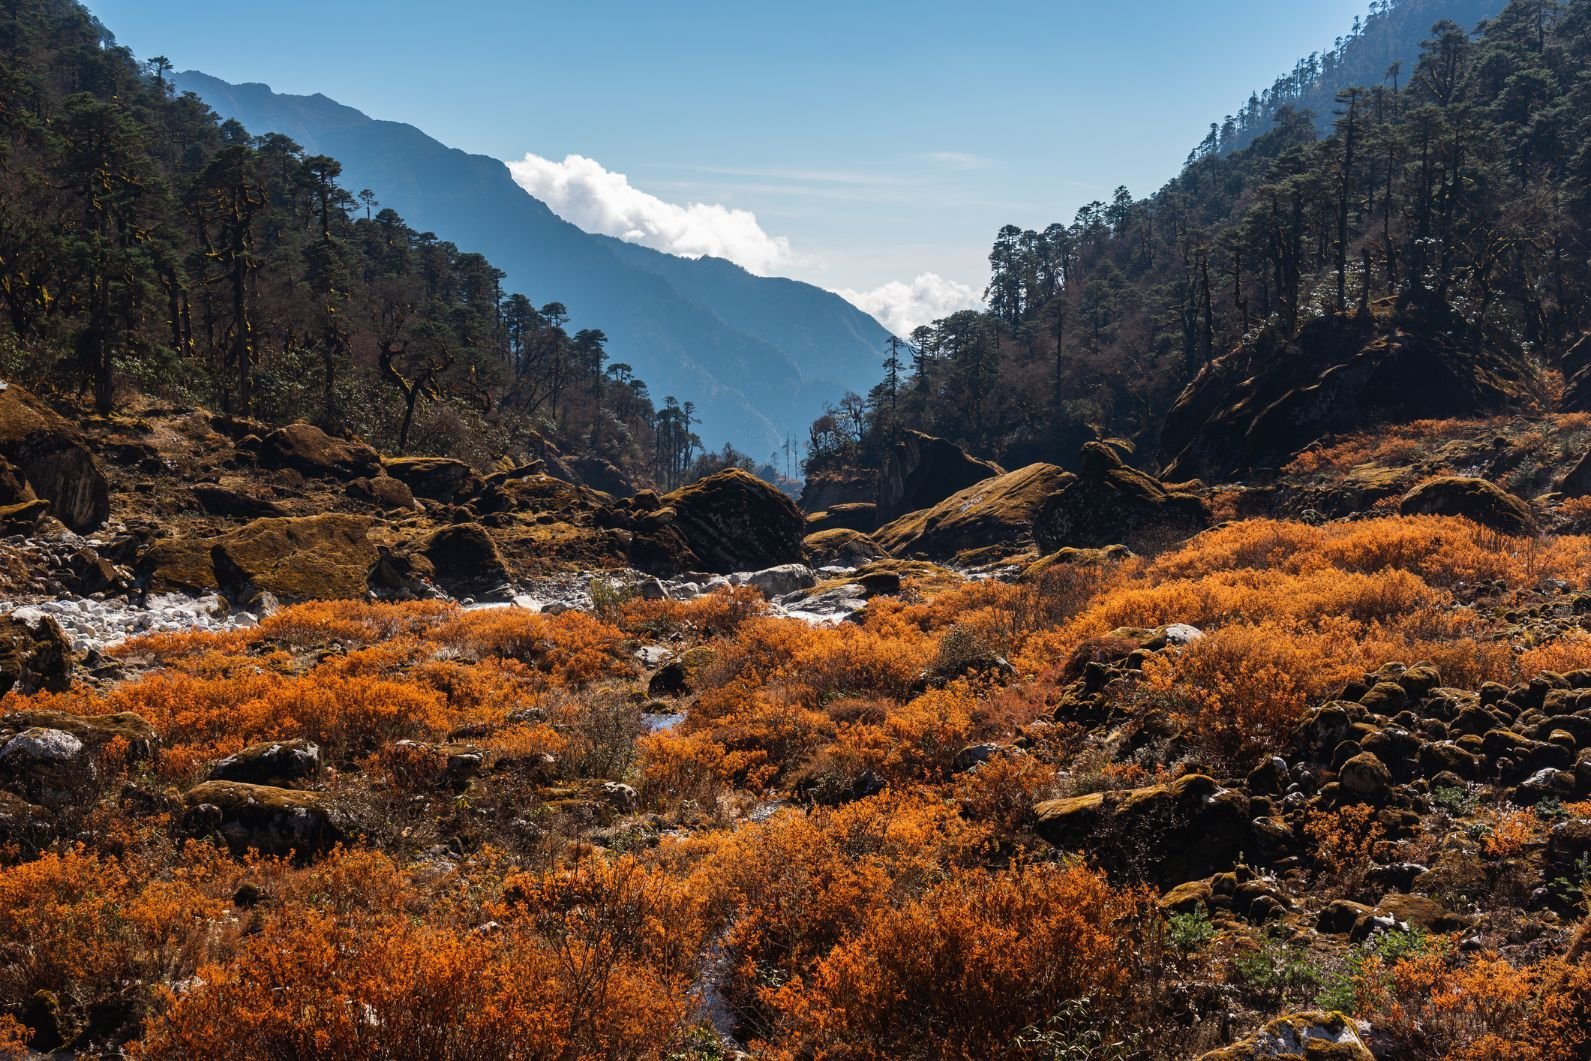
pixel 758 356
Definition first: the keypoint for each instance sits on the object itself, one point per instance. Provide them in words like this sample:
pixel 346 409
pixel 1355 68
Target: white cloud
pixel 902 307
pixel 581 191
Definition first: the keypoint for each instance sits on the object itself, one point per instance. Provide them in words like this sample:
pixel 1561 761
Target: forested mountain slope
pixel 757 355
pixel 1381 48
pixel 1427 258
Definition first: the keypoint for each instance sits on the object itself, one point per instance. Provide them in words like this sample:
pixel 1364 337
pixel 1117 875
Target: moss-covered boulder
pixel 433 478
pixel 992 514
pixel 1474 499
pixel 1110 503
pixel 1180 831
pixel 842 548
pixel 734 521
pixel 1312 1036
pixel 465 562
pixel 34 655
pixel 273 821
pixel 49 455
pixel 307 449
pixel 323 557
pixel 854 515
pixel 132 731
pixel 923 471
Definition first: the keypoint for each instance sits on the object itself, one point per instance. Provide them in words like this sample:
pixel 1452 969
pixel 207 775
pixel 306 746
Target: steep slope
pixel 757 355
pixel 1390 36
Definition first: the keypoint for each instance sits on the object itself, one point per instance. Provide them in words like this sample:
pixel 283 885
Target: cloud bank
pixel 900 307
pixel 581 191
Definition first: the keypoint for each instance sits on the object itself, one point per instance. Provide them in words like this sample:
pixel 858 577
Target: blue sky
pixel 873 142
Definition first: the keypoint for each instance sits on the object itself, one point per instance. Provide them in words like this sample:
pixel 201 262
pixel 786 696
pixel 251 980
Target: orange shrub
pixel 964 969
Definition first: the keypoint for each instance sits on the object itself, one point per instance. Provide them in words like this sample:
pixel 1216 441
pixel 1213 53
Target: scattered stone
pixel 273 821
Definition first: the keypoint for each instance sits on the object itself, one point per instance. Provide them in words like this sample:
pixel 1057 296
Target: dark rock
pixel 50 455
pixel 307 449
pixel 1259 405
pixel 34 655
pixel 1339 916
pixel 466 562
pixel 672 679
pixel 1399 911
pixel 272 821
pixel 841 548
pixel 860 516
pixel 433 478
pixel 296 558
pixel 270 763
pixel 1186 829
pixel 1110 503
pixel 1473 499
pixel 923 471
pixel 49 767
pixel 388 493
pixel 734 521
pixel 1366 777
pixel 217 500
pixel 24 824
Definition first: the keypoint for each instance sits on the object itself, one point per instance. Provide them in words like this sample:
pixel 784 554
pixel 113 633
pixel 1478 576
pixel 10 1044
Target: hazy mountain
pixel 758 355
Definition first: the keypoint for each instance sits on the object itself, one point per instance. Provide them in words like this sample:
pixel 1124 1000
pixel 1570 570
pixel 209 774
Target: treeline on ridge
pixel 145 245
pixel 1463 192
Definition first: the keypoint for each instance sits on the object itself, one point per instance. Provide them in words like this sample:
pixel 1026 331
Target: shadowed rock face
pixel 1474 499
pixel 52 460
pixel 1112 504
pixel 307 449
pixel 734 521
pixel 925 470
pixel 1260 405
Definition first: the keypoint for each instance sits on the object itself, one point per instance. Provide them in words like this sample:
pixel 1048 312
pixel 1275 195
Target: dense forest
pixel 1463 186
pixel 147 247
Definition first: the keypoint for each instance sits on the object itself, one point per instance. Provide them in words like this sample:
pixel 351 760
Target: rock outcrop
pixel 1110 503
pixel 307 449
pixel 52 460
pixel 1474 499
pixel 734 521
pixel 1261 404
pixel 293 558
pixel 272 821
pixel 923 471
pixel 466 563
pixel 34 655
pixel 994 514
pixel 433 478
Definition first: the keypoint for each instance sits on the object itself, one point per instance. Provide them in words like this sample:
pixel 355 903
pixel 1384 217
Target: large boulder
pixel 599 474
pixel 827 490
pixel 1264 402
pixel 323 557
pixel 466 563
pixel 49 454
pixel 1171 833
pixel 923 471
pixel 272 821
pixel 734 521
pixel 1317 1036
pixel 1473 499
pixel 306 448
pixel 34 654
pixel 995 513
pixel 854 515
pixel 135 735
pixel 277 762
pixel 49 767
pixel 433 478
pixel 1110 503
pixel 229 502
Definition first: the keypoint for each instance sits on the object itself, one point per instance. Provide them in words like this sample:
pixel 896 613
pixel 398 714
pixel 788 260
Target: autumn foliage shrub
pixel 963 969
